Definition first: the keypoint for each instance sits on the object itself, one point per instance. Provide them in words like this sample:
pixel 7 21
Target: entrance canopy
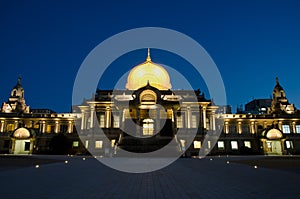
pixel 272 134
pixel 21 133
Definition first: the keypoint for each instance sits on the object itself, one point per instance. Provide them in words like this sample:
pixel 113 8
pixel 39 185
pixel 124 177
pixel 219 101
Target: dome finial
pixel 19 80
pixel 277 80
pixel 148 57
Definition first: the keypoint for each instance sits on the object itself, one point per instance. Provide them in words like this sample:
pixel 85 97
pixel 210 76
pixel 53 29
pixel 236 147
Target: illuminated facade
pixel 24 132
pixel 145 117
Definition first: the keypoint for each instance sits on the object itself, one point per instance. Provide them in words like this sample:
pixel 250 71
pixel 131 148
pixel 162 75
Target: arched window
pixel 148 97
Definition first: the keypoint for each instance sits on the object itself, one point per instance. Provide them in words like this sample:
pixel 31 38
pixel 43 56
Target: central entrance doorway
pixel 22 146
pixel 272 141
pixel 273 147
pixel 148 127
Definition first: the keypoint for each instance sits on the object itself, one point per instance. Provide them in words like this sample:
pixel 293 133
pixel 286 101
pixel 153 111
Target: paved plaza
pixel 210 177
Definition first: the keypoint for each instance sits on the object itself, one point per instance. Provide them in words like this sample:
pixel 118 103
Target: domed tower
pixel 18 90
pixel 16 102
pixel 148 72
pixel 280 103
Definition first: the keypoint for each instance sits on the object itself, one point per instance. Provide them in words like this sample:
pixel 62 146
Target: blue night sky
pixel 251 42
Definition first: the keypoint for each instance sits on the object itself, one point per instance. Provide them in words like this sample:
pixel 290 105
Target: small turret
pixel 16 102
pixel 280 104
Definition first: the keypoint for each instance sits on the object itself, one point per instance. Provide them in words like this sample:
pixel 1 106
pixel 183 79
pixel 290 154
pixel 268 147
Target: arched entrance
pixel 22 142
pixel 272 142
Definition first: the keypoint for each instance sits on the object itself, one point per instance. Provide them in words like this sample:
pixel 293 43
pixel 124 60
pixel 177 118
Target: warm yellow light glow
pixel 21 133
pixel 113 143
pixel 150 72
pixel 197 144
pixel 274 134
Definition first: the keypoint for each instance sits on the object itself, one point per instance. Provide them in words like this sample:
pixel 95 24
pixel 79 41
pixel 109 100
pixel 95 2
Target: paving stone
pixel 184 179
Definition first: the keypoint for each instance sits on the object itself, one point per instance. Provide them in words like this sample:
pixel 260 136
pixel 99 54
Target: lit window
pixel 197 144
pixel 86 144
pixel 289 144
pixel 286 128
pixel 113 143
pixel 297 128
pixel 28 125
pixel 221 145
pixel 148 127
pixel 98 144
pixel 247 144
pixel 102 122
pixel 194 121
pixel 179 121
pixel 48 128
pixel 269 144
pixel 116 121
pixel 182 142
pixel 75 144
pixel 88 123
pixel 234 145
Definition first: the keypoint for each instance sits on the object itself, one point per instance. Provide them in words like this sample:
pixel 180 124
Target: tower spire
pixel 277 80
pixel 148 57
pixel 19 79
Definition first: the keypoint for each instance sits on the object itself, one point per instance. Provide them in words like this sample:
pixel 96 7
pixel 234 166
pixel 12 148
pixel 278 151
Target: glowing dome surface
pixel 21 133
pixel 150 72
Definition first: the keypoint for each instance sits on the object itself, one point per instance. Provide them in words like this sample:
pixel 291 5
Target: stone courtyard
pixel 209 177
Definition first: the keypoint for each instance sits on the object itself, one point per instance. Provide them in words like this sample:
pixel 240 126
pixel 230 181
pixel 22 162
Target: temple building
pixel 146 116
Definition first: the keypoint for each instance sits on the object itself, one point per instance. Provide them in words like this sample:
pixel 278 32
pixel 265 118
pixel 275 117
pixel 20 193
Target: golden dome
pixel 150 72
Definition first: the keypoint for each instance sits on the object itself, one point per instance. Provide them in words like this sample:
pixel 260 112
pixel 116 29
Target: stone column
pixel 204 116
pixel 82 119
pixel 226 127
pixel 294 127
pixel 157 120
pixel 213 116
pixel 280 125
pixel 70 127
pixel 174 119
pixel 56 129
pixel 92 107
pixel 16 124
pixel 138 120
pixel 122 117
pixel 107 117
pixel 252 128
pixel 189 115
pixel 43 126
pixel 2 126
pixel 239 128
